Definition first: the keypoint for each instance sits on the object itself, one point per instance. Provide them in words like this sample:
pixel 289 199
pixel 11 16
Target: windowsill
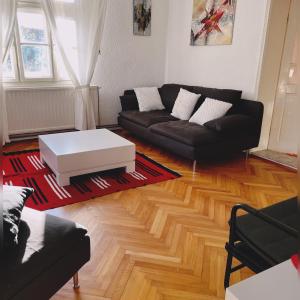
pixel 43 85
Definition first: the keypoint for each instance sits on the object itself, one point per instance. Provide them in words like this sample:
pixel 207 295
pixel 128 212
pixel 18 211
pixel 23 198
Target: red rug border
pixel 139 153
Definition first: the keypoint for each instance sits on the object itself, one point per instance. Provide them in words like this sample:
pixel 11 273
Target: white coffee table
pixel 82 152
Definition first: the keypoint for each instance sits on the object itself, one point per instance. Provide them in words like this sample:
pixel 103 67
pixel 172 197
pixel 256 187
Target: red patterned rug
pixel 25 169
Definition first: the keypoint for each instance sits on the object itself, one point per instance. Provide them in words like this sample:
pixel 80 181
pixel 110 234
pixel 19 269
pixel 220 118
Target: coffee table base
pixel 63 179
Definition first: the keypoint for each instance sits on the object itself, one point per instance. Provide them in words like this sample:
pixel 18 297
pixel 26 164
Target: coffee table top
pixel 83 141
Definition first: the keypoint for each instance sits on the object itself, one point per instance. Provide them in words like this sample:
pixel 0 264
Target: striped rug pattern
pixel 26 169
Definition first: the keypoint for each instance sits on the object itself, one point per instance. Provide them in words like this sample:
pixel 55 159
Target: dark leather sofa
pixel 50 251
pixel 239 130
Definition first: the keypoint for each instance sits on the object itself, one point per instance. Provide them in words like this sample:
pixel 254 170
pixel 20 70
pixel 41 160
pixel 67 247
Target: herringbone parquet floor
pixel 166 241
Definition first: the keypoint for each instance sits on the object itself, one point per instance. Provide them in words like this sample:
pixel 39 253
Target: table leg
pixel 62 180
pixel 130 167
pixel 42 159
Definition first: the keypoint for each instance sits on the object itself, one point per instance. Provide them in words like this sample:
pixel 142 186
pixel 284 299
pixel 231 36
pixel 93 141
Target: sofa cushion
pixel 43 240
pixel 14 198
pixel 169 93
pixel 147 119
pixel 233 124
pixel 184 104
pixel 210 110
pixel 148 98
pixel 185 132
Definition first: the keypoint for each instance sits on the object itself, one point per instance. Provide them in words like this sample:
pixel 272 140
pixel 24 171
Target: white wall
pixel 233 66
pixel 129 61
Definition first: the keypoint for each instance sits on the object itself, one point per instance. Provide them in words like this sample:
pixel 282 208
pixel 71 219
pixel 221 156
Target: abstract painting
pixel 142 17
pixel 212 22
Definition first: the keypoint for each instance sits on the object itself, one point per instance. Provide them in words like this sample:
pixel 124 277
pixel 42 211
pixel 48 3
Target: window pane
pixel 32 27
pixel 8 68
pixel 36 61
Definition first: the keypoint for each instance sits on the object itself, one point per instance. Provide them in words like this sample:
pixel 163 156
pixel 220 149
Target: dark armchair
pixel 51 251
pixel 261 239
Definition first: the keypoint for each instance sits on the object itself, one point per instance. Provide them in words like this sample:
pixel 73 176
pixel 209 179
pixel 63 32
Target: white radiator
pixel 37 110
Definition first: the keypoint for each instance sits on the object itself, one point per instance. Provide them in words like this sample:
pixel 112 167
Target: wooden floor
pixel 166 241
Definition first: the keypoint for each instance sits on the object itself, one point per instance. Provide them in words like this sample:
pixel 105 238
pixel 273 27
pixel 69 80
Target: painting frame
pixel 213 22
pixel 142 17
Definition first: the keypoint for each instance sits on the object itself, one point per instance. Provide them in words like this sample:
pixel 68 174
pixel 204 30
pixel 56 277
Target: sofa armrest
pixel 129 102
pixel 232 124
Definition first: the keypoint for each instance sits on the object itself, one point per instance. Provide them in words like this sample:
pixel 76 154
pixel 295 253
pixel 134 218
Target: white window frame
pixel 20 79
pixel 19 45
pixel 15 64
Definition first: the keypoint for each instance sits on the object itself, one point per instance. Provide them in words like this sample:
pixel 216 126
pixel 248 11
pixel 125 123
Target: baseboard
pixel 34 135
pixel 275 160
pixel 110 127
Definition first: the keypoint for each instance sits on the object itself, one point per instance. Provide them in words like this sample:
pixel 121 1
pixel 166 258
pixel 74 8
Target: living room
pixel 150 149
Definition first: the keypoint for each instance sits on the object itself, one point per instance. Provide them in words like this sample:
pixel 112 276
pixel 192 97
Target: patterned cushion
pixel 14 199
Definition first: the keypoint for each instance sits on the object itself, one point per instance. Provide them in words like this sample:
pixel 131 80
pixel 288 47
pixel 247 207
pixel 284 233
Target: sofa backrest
pixel 169 94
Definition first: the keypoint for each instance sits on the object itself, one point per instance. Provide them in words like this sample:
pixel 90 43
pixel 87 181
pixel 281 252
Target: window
pixel 33 56
pixel 34 44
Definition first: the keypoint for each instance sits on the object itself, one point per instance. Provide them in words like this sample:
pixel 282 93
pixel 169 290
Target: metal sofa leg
pixel 247 152
pixel 76 281
pixel 194 167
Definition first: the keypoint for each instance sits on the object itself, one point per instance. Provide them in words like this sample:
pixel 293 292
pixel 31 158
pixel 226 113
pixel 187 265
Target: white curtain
pixel 7 23
pixel 77 26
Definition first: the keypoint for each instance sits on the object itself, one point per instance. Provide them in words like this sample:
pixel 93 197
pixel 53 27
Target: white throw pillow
pixel 184 104
pixel 211 109
pixel 148 99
